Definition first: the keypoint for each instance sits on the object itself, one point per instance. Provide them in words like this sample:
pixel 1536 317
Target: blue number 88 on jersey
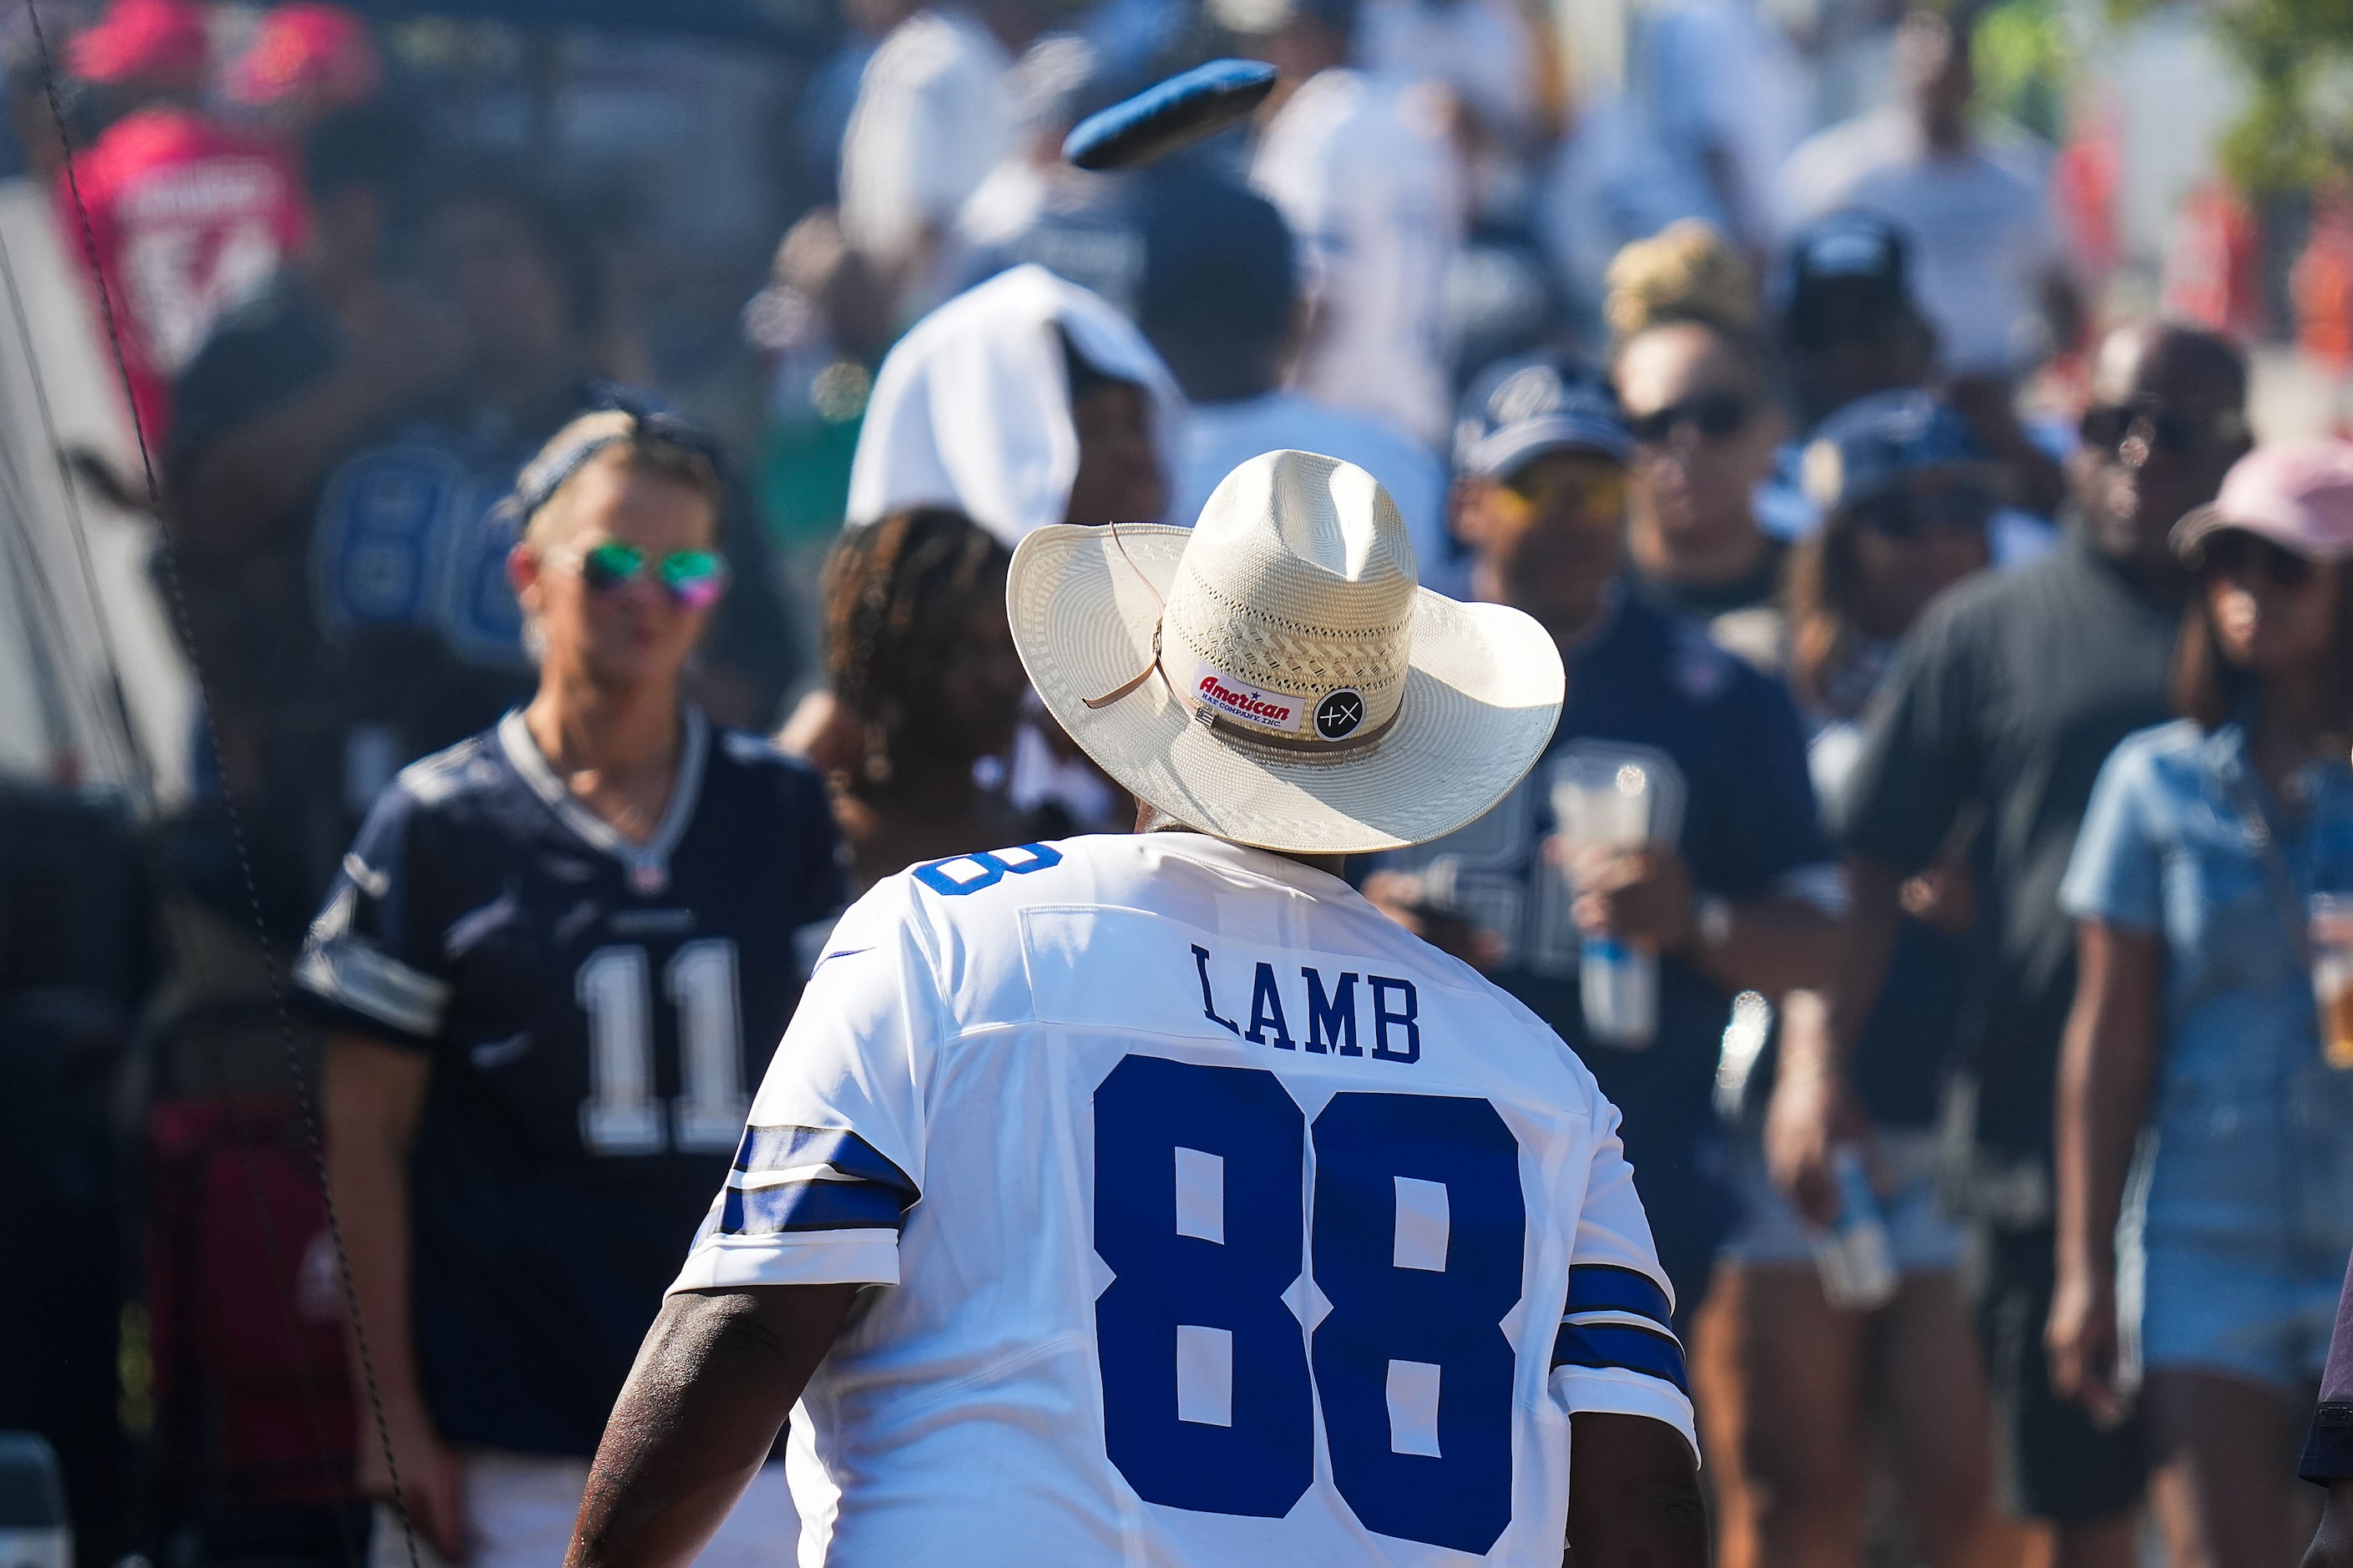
pixel 1418 1229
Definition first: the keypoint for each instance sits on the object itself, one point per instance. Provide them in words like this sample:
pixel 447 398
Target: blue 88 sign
pixel 1408 1312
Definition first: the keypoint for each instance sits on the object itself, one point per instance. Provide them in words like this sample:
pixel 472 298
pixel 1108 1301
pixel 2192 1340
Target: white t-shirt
pixel 934 116
pixel 1222 1221
pixel 1980 224
pixel 1221 436
pixel 1363 170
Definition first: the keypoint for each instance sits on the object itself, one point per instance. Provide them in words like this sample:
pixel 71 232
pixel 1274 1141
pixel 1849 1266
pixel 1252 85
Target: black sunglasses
pixel 1904 515
pixel 2241 556
pixel 2106 427
pixel 1715 415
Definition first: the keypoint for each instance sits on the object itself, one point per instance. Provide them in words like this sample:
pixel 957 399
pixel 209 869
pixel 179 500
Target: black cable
pixel 175 592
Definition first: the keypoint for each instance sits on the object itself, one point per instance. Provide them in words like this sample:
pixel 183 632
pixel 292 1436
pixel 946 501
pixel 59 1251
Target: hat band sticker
pixel 1223 692
pixel 1237 710
pixel 1339 718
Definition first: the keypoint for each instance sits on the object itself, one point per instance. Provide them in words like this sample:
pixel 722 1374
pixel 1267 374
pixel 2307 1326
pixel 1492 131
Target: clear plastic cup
pixel 1615 799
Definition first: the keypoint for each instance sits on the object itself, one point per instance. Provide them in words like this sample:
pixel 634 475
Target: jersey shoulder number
pixel 962 874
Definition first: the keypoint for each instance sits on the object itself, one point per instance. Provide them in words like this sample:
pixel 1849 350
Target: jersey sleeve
pixel 1617 1351
pixel 373 960
pixel 833 1157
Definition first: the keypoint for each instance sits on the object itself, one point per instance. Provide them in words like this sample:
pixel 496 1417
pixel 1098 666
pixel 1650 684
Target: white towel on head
pixel 972 409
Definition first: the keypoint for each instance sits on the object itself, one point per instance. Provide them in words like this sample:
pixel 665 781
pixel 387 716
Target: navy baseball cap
pixel 1521 409
pixel 1847 272
pixel 1874 444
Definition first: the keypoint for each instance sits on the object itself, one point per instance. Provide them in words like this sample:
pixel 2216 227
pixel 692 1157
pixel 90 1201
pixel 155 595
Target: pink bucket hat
pixel 2296 494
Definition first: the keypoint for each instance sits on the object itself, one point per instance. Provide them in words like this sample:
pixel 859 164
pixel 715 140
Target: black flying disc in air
pixel 1174 113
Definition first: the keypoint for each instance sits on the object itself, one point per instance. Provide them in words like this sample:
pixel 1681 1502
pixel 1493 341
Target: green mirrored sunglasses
pixel 692 577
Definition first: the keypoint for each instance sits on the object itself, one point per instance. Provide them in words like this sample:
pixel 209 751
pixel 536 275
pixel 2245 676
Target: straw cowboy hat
pixel 1274 675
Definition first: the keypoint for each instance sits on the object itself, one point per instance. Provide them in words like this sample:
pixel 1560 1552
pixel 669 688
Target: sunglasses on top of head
pixel 692 578
pixel 2106 427
pixel 2241 556
pixel 1715 415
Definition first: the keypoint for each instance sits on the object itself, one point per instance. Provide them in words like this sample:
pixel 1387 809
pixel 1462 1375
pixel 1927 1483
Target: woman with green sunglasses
pixel 556 962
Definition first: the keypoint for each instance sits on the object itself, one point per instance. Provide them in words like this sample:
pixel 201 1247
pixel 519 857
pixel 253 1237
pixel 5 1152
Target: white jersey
pixel 1222 1221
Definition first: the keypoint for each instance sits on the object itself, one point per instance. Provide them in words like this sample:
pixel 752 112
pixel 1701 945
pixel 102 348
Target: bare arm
pixel 1774 946
pixel 2332 1544
pixel 374 1094
pixel 717 1374
pixel 1634 1499
pixel 2107 1065
pixel 1813 1107
pixel 1773 943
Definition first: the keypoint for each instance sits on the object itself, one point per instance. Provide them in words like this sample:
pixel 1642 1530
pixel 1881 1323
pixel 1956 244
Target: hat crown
pixel 1298 583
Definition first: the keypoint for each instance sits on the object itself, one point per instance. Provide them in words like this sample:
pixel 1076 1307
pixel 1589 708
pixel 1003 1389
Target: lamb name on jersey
pixel 1225 1222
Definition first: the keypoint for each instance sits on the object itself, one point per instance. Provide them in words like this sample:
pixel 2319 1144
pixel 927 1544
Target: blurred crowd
pixel 1986 692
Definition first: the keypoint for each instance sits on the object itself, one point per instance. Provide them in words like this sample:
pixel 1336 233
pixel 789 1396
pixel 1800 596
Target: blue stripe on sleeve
pixel 781 1148
pixel 1611 1287
pixel 1623 1345
pixel 810 1205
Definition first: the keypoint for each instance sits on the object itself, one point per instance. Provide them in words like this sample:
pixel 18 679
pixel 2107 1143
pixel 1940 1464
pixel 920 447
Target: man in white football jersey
pixel 1153 1200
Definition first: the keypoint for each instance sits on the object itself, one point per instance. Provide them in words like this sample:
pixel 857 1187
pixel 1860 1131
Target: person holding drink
pixel 1664 854
pixel 2210 846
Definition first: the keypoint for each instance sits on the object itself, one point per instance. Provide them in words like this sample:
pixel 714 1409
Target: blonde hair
pixel 1688 272
pixel 608 436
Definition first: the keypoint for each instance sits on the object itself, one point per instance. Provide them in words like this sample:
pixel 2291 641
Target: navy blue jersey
pixel 598 1013
pixel 1656 687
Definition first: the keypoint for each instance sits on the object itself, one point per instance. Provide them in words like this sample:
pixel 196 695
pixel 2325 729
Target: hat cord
pixel 1108 698
pixel 1128 686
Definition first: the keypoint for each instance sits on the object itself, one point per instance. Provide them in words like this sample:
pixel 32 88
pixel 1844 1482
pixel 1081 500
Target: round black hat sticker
pixel 1339 714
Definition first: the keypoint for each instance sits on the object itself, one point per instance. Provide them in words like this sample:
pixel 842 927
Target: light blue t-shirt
pixel 2255 1151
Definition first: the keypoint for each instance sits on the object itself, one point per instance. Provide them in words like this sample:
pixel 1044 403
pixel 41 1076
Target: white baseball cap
pixel 1274 675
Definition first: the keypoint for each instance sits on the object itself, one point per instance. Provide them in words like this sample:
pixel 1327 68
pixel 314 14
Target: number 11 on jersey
pixel 621 1114
pixel 1418 1231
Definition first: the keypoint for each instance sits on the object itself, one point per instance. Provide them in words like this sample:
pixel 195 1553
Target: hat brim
pixel 2190 536
pixel 1508 450
pixel 1481 698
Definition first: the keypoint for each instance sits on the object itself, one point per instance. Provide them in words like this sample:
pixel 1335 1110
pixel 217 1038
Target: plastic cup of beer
pixel 2332 974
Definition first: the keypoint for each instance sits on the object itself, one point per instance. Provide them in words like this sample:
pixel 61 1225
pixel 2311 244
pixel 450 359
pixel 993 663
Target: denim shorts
pixel 1920 1239
pixel 2200 1310
pixel 2236 1227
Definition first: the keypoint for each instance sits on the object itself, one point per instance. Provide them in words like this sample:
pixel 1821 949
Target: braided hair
pixel 899 596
